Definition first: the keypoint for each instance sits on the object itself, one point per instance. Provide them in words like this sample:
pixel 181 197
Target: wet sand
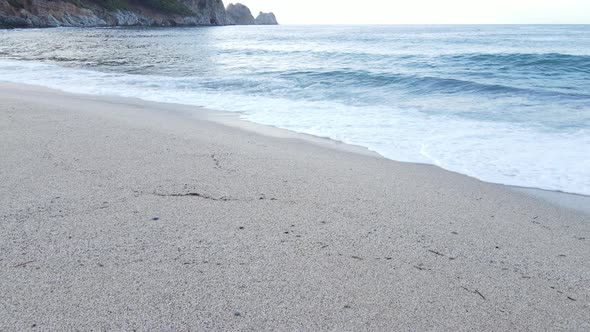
pixel 120 214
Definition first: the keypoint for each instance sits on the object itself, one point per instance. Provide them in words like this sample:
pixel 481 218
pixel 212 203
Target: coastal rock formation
pixel 93 13
pixel 37 13
pixel 239 14
pixel 211 12
pixel 54 13
pixel 266 19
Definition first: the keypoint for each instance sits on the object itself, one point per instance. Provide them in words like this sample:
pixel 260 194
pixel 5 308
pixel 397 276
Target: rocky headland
pixel 97 13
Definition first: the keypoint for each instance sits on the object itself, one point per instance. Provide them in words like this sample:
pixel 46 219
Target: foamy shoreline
pixel 569 200
pixel 117 214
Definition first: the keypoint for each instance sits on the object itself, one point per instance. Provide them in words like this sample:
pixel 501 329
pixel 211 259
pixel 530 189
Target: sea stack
pixel 239 14
pixel 266 19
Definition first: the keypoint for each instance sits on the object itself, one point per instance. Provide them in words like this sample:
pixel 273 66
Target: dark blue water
pixel 506 104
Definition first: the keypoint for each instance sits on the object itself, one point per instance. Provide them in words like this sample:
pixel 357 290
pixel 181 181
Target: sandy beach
pixel 121 214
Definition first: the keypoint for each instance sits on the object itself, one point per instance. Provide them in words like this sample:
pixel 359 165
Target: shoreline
pixel 574 201
pixel 122 214
pixel 421 139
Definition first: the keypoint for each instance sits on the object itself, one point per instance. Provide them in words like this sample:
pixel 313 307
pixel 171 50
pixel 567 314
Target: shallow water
pixel 505 104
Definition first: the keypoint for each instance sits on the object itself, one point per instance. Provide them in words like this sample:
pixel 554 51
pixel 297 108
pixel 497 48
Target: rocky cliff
pixel 54 13
pixel 239 14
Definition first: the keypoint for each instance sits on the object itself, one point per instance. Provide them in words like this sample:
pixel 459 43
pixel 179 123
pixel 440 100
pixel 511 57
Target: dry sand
pixel 119 214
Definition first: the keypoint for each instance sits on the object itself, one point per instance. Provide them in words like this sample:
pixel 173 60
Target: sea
pixel 507 104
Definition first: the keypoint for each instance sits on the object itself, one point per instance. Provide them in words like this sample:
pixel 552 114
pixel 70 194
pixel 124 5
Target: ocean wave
pixel 557 62
pixel 420 85
pixel 537 61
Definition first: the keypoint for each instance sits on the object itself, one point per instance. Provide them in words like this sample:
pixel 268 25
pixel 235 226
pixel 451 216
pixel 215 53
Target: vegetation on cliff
pixel 166 6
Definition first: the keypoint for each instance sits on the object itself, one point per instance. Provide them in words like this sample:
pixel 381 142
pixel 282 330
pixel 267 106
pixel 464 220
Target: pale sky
pixel 423 11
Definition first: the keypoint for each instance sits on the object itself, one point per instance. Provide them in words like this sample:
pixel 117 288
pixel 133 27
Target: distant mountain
pixel 91 13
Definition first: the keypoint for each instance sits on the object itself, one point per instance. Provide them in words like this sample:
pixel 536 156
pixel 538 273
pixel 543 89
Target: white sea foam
pixel 499 152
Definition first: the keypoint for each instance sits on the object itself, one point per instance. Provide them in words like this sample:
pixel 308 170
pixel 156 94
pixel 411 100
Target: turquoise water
pixel 505 104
